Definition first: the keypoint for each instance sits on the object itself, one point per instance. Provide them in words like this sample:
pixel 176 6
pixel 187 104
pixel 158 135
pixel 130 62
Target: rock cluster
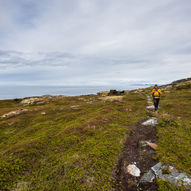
pixel 172 175
pixel 158 170
pixel 35 100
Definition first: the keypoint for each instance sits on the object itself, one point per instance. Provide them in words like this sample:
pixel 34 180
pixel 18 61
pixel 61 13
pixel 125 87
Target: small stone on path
pixel 150 122
pixel 149 98
pixel 142 143
pixel 75 107
pixel 152 145
pixel 150 107
pixel 133 170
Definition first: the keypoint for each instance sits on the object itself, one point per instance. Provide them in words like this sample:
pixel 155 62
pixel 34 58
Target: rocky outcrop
pixel 104 93
pixel 186 80
pixel 115 93
pixel 36 100
pixel 13 113
pixel 178 84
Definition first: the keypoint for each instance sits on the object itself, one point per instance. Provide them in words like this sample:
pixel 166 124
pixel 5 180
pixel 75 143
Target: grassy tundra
pixel 69 143
pixel 73 143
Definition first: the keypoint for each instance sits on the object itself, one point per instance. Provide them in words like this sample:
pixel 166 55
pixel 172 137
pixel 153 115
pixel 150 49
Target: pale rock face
pixel 133 170
pixel 150 122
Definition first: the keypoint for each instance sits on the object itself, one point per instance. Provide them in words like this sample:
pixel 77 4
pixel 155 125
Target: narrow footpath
pixel 133 172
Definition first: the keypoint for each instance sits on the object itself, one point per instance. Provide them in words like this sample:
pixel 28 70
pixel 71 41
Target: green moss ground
pixel 174 129
pixel 69 149
pixel 66 149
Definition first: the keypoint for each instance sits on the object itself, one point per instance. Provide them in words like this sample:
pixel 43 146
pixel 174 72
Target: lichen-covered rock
pixel 174 176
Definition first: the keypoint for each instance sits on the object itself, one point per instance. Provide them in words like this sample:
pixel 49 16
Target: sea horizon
pixel 22 91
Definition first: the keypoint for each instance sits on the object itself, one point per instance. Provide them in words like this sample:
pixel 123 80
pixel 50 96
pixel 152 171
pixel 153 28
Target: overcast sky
pixel 94 42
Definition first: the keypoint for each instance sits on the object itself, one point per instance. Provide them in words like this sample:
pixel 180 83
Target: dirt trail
pixel 136 152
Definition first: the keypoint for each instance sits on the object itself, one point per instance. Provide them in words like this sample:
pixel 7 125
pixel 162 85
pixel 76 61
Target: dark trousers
pixel 156 103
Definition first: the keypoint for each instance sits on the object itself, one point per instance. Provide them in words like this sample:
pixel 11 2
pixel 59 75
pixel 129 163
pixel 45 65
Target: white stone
pixel 150 122
pixel 133 170
pixel 149 98
pixel 150 107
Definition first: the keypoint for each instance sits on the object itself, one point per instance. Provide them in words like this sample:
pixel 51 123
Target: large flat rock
pixel 174 176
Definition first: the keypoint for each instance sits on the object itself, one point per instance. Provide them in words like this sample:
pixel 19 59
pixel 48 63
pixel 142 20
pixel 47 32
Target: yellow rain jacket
pixel 156 93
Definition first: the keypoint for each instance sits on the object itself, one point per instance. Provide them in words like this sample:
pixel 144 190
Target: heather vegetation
pixel 73 143
pixel 70 143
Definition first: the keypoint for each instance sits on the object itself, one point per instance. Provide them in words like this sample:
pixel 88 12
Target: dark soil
pixel 142 155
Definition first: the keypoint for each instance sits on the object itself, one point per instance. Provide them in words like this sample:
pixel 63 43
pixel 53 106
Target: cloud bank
pixel 82 42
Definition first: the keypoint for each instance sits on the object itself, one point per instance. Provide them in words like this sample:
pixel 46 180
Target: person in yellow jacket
pixel 156 93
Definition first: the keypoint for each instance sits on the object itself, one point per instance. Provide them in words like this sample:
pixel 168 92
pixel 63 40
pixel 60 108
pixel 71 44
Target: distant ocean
pixel 12 92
